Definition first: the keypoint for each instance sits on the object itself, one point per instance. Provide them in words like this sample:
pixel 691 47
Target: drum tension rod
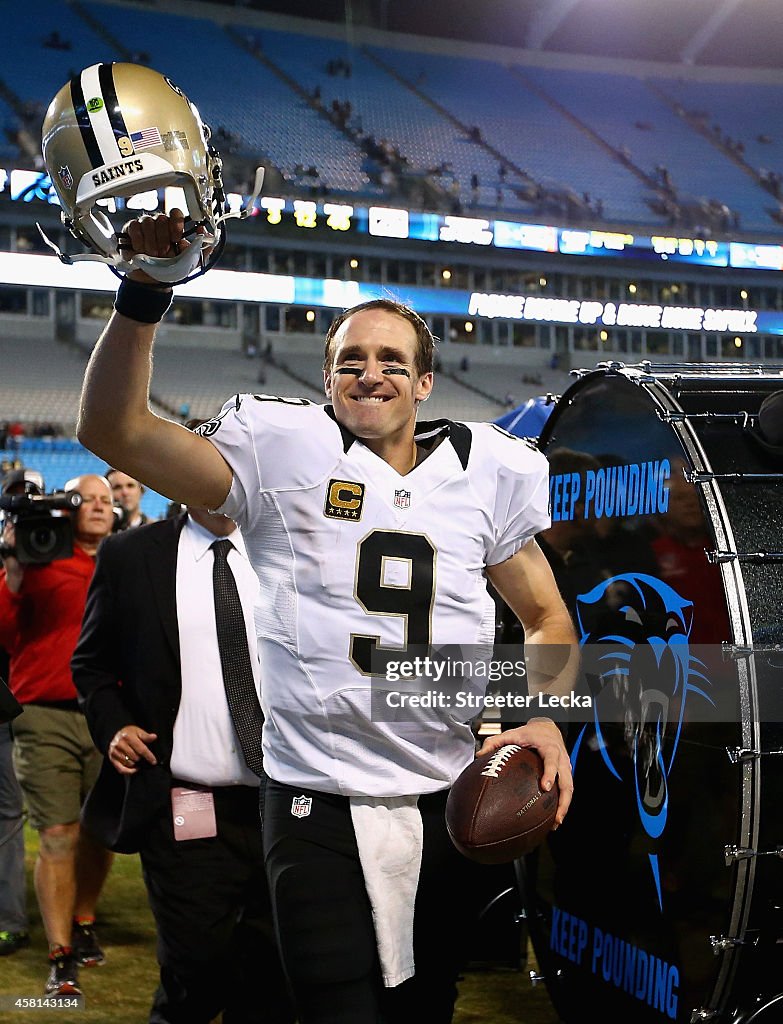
pixel 736 478
pixel 742 417
pixel 737 651
pixel 733 854
pixel 751 557
pixel 723 943
pixel 745 754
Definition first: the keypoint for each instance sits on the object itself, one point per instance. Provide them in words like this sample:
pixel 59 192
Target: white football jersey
pixel 354 558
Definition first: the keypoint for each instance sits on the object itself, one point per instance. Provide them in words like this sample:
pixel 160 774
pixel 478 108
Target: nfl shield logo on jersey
pixel 402 499
pixel 300 806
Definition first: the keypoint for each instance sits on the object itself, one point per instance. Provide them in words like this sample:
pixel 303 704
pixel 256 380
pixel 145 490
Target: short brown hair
pixel 107 474
pixel 425 343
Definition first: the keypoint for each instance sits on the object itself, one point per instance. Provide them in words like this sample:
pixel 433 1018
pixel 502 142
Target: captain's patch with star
pixel 344 500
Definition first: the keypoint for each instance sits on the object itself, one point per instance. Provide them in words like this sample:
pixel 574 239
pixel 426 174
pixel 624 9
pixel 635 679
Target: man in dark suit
pixel 174 784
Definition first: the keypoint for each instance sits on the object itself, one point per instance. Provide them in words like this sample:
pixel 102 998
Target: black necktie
pixel 238 680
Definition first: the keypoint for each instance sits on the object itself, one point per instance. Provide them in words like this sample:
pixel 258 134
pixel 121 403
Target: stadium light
pixel 34 270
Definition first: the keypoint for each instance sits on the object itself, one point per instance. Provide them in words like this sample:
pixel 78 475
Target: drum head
pixel 626 898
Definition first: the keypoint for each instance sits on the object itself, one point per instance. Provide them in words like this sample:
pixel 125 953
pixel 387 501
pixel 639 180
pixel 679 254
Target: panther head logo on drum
pixel 634 630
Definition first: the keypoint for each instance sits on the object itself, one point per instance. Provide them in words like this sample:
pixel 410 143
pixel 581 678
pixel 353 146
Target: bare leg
pixel 55 881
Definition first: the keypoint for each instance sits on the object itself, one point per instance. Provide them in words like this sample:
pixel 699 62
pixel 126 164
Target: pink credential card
pixel 193 813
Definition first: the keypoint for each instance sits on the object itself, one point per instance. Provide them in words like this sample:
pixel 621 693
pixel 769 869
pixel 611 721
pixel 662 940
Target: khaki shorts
pixel 56 763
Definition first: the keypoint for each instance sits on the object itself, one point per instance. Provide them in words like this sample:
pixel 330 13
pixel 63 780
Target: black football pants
pixel 324 920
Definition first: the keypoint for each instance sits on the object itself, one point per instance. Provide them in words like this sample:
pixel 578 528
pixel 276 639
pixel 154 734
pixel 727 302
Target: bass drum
pixel 660 898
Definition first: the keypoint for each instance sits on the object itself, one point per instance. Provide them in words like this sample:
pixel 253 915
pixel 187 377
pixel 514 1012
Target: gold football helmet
pixel 117 130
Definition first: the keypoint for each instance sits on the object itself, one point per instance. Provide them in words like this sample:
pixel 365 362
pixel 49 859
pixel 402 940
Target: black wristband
pixel 144 303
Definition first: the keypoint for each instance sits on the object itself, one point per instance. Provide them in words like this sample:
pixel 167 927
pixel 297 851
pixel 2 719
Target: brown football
pixel 496 810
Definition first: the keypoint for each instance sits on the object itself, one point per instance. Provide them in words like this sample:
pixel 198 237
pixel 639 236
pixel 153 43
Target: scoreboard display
pixel 397 222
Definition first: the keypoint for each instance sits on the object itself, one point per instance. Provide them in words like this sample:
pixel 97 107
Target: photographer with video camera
pixel 48 562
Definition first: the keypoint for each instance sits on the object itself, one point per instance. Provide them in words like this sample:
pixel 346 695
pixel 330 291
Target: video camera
pixel 42 536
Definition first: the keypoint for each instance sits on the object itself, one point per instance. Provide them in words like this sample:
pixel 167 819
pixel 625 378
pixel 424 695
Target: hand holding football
pixel 496 810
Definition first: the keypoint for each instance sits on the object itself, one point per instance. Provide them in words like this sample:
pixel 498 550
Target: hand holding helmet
pixel 154 248
pixel 159 236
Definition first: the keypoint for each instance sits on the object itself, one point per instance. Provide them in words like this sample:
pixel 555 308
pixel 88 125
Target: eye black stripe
pixel 106 79
pixel 83 120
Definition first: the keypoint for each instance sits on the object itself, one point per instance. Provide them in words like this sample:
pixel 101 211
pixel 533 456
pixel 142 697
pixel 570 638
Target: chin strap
pixel 166 269
pixel 247 209
pixel 172 269
pixel 169 270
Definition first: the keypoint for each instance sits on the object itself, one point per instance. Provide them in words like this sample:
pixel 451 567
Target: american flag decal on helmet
pixel 146 138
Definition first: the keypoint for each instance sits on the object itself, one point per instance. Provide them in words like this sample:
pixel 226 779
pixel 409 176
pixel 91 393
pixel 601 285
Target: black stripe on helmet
pixel 83 121
pixel 116 119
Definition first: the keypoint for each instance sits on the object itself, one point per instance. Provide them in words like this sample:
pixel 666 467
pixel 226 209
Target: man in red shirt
pixel 41 608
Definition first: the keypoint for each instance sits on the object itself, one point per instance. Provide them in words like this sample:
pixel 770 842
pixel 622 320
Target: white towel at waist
pixel 389 835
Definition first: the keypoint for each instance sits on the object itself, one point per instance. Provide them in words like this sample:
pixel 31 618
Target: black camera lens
pixel 43 540
pixel 42 535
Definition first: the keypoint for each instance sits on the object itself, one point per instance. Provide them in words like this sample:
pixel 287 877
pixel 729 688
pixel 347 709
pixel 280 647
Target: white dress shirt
pixel 206 747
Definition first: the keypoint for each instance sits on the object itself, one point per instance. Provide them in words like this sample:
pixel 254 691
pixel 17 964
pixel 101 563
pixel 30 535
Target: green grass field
pixel 119 992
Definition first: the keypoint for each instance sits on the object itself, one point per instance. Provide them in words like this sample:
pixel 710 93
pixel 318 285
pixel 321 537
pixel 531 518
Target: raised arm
pixel 115 420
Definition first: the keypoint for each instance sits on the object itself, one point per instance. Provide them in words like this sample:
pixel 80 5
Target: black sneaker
pixel 10 942
pixel 63 977
pixel 85 945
